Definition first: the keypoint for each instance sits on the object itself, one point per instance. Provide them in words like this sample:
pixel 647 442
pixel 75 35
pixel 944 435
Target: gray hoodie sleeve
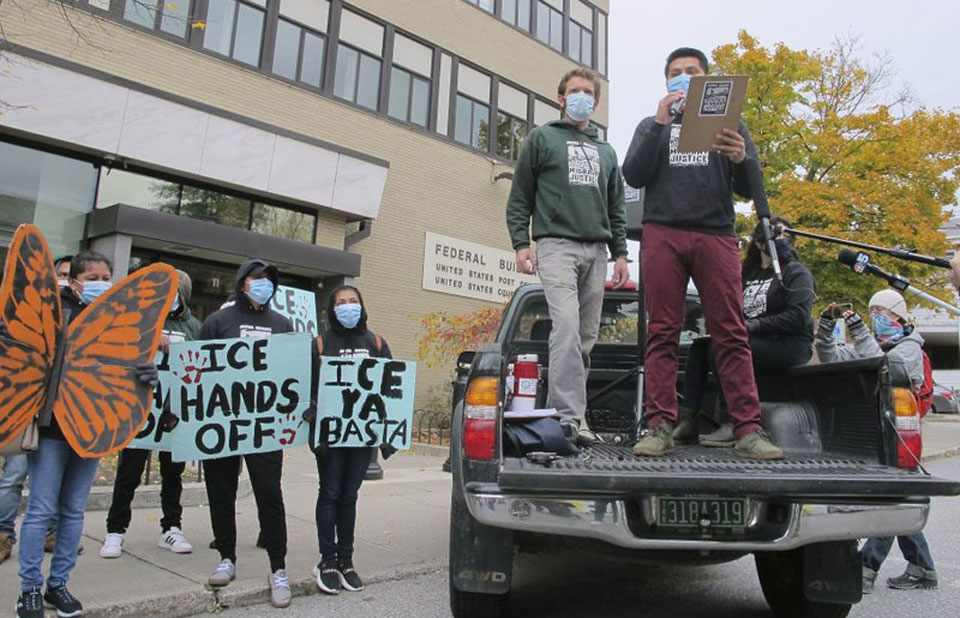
pixel 830 351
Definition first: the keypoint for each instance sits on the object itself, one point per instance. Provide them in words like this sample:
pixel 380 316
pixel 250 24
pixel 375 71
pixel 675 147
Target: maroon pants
pixel 669 257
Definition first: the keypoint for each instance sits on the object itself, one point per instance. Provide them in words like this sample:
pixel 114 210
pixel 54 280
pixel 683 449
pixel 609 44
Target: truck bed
pixel 612 469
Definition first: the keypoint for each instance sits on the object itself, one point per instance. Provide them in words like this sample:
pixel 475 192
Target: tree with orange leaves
pixel 845 155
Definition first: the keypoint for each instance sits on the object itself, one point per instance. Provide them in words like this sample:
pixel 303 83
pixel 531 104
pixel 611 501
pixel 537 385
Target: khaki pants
pixel 572 274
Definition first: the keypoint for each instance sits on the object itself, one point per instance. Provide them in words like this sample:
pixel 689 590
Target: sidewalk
pixel 401 530
pixel 941 436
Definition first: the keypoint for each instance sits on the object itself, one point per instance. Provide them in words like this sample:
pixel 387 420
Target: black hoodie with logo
pixel 241 319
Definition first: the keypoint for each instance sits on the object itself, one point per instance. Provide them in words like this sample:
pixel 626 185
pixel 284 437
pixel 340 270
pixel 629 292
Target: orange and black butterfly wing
pixel 32 325
pixel 100 403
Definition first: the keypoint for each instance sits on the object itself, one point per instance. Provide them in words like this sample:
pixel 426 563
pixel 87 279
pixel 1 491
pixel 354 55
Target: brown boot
pixel 688 426
pixel 6 546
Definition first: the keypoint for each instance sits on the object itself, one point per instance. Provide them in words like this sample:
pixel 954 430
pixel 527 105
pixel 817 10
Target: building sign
pixel 463 268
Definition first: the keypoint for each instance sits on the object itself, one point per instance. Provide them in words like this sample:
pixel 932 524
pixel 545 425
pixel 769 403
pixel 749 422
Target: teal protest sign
pixel 365 402
pixel 239 396
pixel 153 435
pixel 298 305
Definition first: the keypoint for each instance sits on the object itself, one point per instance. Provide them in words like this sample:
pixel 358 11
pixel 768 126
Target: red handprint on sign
pixel 193 366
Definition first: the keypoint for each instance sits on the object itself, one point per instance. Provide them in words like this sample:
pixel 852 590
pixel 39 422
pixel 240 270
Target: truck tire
pixel 781 579
pixel 465 604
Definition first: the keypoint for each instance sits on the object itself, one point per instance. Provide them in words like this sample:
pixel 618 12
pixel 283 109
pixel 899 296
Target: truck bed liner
pixel 697 469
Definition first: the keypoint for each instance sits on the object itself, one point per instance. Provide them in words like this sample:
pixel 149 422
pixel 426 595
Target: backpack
pixel 925 394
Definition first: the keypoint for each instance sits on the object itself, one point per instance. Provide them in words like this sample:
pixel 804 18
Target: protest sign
pixel 153 435
pixel 239 396
pixel 365 402
pixel 298 305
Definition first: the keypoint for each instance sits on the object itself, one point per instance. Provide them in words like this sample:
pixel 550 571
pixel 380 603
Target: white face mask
pixel 63 282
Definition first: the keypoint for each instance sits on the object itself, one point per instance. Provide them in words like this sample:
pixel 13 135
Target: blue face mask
pixel 176 303
pixel 579 106
pixel 348 314
pixel 93 289
pixel 885 329
pixel 680 82
pixel 261 290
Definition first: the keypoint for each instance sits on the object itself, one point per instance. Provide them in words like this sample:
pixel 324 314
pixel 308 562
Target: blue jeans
pixel 914 548
pixel 11 487
pixel 60 482
pixel 341 472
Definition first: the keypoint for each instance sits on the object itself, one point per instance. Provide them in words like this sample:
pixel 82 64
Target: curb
pixel 942 454
pixel 431 450
pixel 200 601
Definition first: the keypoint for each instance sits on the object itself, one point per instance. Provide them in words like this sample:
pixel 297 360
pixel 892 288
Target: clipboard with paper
pixel 713 103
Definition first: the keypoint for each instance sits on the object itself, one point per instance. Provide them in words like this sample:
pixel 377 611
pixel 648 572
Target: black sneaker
pixel 328 577
pixel 65 603
pixel 914 577
pixel 30 604
pixel 349 578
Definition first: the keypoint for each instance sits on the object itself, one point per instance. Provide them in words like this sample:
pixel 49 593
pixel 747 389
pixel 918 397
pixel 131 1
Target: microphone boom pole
pixel 903 254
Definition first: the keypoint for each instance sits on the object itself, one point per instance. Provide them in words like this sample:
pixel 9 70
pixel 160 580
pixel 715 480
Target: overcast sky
pixel 921 41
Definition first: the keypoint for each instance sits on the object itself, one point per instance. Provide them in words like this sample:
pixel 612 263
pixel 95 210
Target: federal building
pixel 361 141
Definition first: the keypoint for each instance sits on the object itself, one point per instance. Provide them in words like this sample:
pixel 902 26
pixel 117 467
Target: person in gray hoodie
pixel 894 336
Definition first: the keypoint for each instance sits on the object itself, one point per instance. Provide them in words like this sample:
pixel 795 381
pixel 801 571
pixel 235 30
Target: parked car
pixel 945 400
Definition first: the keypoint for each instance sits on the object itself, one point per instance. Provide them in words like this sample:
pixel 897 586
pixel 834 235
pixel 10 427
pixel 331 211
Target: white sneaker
pixel 112 546
pixel 174 540
pixel 225 573
pixel 279 588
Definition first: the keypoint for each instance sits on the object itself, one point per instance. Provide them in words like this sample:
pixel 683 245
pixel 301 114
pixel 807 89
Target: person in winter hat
pixel 893 335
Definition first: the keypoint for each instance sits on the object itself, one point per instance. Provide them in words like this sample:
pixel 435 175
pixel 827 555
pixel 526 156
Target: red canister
pixel 526 375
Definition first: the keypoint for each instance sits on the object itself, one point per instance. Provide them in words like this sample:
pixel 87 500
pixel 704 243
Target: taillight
pixel 947 395
pixel 910 442
pixel 480 405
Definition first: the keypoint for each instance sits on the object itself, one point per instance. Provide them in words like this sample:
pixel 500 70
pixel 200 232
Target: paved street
pixel 579 586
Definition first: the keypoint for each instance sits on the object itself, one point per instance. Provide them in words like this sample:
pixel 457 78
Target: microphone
pixel 676 106
pixel 859 262
pixel 759 195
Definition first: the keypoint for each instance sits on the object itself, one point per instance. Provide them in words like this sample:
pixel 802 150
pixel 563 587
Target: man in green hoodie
pixel 180 325
pixel 567 180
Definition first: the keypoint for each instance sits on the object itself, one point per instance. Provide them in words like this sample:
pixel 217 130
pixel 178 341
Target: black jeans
pixel 770 355
pixel 341 473
pixel 221 478
pixel 129 472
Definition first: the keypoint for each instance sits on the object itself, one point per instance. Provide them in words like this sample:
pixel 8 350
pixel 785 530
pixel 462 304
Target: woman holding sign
pixel 342 469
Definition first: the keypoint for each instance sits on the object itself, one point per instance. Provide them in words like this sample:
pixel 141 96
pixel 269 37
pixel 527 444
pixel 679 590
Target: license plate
pixel 697 511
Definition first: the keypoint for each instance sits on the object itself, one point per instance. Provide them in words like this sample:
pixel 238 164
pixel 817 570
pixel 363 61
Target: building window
pixel 171 17
pixel 486 5
pixel 544 112
pixel 120 187
pixel 410 81
pixel 511 131
pixel 358 77
pixel 473 121
pixel 234 29
pixel 580 46
pixel 54 193
pixel 516 13
pixel 283 223
pixel 299 54
pixel 409 97
pixel 550 25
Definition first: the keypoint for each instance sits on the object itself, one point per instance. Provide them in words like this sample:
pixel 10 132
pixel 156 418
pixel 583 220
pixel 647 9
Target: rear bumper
pixel 606 520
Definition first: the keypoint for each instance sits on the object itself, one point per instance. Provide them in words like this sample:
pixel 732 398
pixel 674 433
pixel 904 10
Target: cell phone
pixel 838 309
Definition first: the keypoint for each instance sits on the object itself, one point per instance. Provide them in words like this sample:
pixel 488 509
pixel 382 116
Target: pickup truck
pixel 849 431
